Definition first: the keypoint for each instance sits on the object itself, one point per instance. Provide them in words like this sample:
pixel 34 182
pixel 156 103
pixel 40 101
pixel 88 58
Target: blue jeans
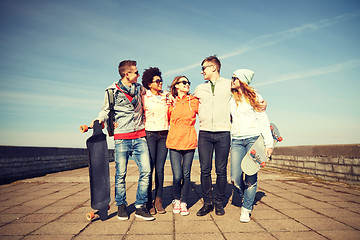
pixel 207 143
pixel 156 141
pixel 181 162
pixel 246 189
pixel 123 150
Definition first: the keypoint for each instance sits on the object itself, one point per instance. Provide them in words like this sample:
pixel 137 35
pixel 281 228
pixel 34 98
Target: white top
pixel 246 122
pixel 156 108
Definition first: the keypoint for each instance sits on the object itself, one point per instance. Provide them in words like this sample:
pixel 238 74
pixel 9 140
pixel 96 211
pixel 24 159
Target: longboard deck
pixel 251 162
pixel 256 157
pixel 99 171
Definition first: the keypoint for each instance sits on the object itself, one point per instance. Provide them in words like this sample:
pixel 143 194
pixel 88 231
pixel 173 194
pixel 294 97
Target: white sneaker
pixel 176 206
pixel 245 215
pixel 183 209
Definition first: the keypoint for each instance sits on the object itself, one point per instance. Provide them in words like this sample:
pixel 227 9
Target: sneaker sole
pixel 176 211
pixel 184 213
pixel 145 218
pixel 244 221
pixel 123 218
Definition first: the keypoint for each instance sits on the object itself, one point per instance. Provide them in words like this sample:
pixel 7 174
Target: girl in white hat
pixel 248 122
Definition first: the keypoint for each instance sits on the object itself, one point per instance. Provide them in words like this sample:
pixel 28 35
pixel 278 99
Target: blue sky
pixel 57 57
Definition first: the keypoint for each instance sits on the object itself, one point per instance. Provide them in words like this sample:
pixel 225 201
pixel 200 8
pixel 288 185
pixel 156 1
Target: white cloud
pixel 313 72
pixel 275 38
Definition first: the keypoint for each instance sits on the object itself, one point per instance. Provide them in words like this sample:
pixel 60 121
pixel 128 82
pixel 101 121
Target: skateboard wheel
pixel 84 128
pixel 90 216
pixel 272 127
pixel 279 139
pixel 253 152
pixel 263 164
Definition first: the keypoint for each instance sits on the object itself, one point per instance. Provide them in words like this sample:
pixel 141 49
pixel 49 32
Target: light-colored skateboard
pixel 256 157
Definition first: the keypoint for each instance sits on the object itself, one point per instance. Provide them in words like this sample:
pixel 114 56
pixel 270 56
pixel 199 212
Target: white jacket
pixel 156 112
pixel 246 122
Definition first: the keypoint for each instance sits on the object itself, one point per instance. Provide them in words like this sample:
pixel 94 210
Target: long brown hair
pixel 248 93
pixel 172 87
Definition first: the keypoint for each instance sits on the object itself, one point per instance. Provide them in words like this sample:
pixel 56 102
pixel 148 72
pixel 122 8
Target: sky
pixel 57 58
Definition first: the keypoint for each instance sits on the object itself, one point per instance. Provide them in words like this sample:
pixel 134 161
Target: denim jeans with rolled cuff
pixel 181 162
pixel 245 188
pixel 156 141
pixel 124 149
pixel 208 143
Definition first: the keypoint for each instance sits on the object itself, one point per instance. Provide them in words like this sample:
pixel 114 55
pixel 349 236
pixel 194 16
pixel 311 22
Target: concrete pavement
pixel 287 207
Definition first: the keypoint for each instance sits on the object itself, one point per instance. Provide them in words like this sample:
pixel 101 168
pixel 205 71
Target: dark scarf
pixel 132 91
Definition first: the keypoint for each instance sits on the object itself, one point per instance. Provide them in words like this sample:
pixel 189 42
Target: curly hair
pixel 148 75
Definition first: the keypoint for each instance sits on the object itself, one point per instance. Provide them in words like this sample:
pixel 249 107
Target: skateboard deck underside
pixel 249 165
pixel 99 173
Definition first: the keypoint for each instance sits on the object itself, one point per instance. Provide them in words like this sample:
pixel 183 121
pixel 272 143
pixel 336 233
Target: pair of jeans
pixel 181 162
pixel 125 148
pixel 245 188
pixel 156 141
pixel 208 143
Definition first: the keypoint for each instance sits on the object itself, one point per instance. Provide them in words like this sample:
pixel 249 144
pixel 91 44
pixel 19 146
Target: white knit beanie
pixel 245 75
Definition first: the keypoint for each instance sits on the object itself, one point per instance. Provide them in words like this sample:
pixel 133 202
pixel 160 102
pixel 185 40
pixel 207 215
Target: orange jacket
pixel 182 133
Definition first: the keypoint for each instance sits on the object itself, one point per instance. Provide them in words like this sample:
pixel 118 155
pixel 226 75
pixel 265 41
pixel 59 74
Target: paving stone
pixel 324 223
pixel 298 235
pixel 286 207
pixel 341 235
pixel 285 225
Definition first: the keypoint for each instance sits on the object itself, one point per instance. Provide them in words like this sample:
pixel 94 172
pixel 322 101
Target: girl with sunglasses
pixel 248 122
pixel 182 141
pixel 156 125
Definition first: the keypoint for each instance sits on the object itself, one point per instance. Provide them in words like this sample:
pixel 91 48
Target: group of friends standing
pixel 151 122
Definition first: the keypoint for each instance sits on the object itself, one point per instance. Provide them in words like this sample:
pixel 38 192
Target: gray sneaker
pixel 143 213
pixel 122 214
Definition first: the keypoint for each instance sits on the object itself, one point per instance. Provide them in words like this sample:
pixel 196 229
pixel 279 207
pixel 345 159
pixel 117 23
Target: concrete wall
pixel 329 162
pixel 25 162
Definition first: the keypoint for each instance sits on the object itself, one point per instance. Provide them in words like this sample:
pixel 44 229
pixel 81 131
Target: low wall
pixel 25 162
pixel 329 162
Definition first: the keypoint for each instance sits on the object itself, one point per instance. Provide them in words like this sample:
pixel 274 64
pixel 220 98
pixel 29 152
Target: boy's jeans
pixel 208 143
pixel 247 188
pixel 125 148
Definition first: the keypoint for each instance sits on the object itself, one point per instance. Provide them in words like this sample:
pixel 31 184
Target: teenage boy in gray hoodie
pixel 214 133
pixel 129 136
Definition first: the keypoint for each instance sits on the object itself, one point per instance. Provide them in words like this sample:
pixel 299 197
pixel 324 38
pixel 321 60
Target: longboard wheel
pixel 253 152
pixel 84 128
pixel 272 127
pixel 263 164
pixel 280 139
pixel 90 216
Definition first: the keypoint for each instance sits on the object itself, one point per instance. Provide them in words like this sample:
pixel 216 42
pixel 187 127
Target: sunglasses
pixel 158 81
pixel 184 82
pixel 234 79
pixel 137 72
pixel 204 67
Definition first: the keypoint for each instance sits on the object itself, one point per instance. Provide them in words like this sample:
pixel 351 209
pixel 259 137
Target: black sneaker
pixel 143 213
pixel 122 214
